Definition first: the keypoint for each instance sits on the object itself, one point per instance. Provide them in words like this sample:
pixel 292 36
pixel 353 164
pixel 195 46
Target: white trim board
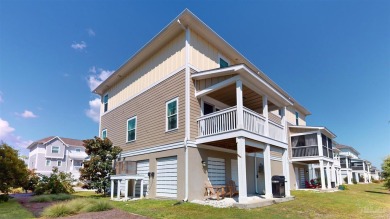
pixel 158 148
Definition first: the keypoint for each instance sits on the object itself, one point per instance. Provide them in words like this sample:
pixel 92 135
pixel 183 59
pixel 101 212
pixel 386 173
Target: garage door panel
pixel 166 177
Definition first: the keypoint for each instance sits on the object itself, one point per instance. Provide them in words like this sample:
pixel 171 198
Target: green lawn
pixel 12 209
pixel 360 201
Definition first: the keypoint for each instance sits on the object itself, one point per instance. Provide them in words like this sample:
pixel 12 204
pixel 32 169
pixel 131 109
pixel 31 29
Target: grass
pixel 359 201
pixel 12 209
pixel 75 206
pixel 51 197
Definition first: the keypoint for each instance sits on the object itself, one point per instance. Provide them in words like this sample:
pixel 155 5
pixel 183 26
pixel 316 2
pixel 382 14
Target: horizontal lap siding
pixel 149 107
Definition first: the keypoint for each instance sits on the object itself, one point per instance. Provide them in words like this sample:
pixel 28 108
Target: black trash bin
pixel 333 184
pixel 278 186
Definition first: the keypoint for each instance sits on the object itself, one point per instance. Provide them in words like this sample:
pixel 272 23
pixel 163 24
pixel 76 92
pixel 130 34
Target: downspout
pixel 187 104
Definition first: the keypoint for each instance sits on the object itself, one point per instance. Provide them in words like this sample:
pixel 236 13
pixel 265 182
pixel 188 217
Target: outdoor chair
pixel 232 188
pixel 214 192
pixel 309 186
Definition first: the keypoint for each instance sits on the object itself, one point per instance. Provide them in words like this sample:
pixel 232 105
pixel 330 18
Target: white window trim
pixel 47 164
pixel 105 103
pixel 104 130
pixel 58 149
pixel 60 163
pixel 177 114
pixel 220 56
pixel 127 129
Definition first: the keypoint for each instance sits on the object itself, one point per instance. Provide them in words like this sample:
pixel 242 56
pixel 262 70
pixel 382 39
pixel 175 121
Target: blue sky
pixel 332 56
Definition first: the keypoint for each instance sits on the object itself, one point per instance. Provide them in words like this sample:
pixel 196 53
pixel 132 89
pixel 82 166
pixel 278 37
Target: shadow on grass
pixel 384 193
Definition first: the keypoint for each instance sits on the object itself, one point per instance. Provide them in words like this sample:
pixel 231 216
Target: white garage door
pixel 216 171
pixel 166 177
pixel 142 169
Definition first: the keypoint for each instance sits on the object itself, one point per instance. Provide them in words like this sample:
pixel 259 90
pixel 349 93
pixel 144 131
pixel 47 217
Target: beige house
pixel 188 109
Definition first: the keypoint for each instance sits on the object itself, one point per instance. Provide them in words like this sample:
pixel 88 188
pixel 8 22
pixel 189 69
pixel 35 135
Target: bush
pixel 4 198
pixel 346 179
pixel 361 178
pixel 376 181
pixel 343 187
pixel 52 197
pixel 17 190
pixel 57 182
pixel 354 181
pixel 76 206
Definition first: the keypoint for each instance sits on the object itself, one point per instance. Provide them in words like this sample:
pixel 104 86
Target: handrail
pixel 217 113
pixel 276 124
pixel 253 112
pixel 305 146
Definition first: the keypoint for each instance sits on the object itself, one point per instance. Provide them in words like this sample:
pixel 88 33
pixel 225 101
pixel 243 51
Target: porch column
pixel 322 174
pixel 349 180
pixel 364 170
pixel 241 163
pixel 341 179
pixel 201 106
pixel 118 192
pixel 141 195
pixel 286 171
pixel 267 171
pixel 334 178
pixel 112 189
pixel 126 189
pixel 328 175
pixel 265 114
pixel 240 105
pixel 285 134
pixel 319 143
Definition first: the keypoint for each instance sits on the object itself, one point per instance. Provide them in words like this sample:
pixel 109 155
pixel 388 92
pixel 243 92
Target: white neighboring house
pixel 65 153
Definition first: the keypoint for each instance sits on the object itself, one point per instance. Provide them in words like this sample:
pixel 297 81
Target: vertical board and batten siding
pixel 142 169
pixel 166 183
pixel 194 110
pixel 203 55
pixel 150 109
pixel 165 61
pixel 205 83
pixel 216 171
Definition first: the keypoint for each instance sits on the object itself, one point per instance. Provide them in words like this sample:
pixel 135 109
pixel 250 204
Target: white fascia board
pixel 56 137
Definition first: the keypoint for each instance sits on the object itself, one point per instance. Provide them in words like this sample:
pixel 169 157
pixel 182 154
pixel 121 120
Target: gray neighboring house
pixel 65 153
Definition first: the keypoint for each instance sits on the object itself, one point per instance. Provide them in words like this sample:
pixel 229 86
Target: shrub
pixel 361 178
pixel 76 206
pixel 343 187
pixel 58 210
pixel 4 198
pixel 17 190
pixel 376 181
pixel 346 179
pixel 52 197
pixel 57 182
pixel 354 181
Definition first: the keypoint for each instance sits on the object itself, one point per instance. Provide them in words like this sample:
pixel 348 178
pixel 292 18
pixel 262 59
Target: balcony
pixel 227 120
pixel 357 168
pixel 305 151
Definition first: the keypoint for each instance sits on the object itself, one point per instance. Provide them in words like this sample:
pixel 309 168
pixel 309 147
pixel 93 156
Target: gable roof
pixel 187 19
pixel 67 141
pixel 341 146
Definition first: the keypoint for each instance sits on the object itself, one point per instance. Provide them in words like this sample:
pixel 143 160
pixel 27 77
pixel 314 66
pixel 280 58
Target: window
pixel 296 118
pixel 207 108
pixel 77 163
pixel 131 129
pixel 105 102
pixel 59 163
pixel 55 150
pixel 48 162
pixel 104 133
pixel 223 63
pixel 172 114
pixel 78 150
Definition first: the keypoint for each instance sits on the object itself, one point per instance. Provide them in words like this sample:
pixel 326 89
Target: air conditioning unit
pixel 126 168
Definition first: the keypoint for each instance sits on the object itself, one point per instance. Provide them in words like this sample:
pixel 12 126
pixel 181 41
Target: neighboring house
pixel 65 153
pixel 352 166
pixel 375 173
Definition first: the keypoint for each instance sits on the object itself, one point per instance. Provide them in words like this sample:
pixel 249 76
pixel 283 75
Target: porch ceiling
pixel 232 145
pixel 251 99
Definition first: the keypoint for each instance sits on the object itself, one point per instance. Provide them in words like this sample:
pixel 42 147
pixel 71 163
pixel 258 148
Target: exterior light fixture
pixel 203 163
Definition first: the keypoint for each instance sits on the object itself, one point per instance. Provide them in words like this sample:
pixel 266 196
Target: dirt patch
pixel 34 207
pixel 114 213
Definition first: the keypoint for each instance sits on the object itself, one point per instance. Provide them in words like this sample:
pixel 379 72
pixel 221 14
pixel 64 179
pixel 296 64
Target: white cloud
pixel 27 114
pixel 7 136
pixel 94 110
pixel 91 32
pixel 5 129
pixel 97 77
pixel 79 46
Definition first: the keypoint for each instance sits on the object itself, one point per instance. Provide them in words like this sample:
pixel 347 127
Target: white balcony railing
pixel 226 120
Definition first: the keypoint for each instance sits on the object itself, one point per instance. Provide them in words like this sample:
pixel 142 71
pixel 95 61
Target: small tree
pixel 13 171
pixel 32 180
pixel 386 171
pixel 57 182
pixel 96 172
